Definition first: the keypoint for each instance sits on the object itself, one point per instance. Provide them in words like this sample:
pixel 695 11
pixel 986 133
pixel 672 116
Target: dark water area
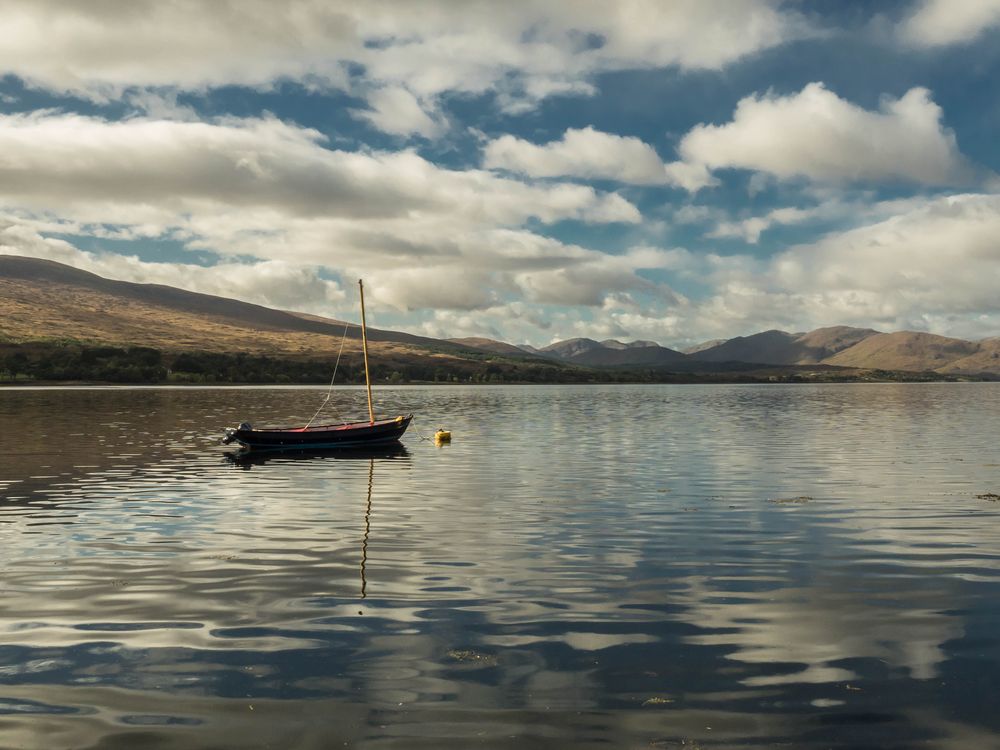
pixel 582 567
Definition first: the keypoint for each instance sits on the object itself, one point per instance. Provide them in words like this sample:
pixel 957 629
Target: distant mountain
pixel 905 350
pixel 823 343
pixel 612 353
pixel 860 348
pixel 643 356
pixel 570 348
pixel 836 346
pixel 768 347
pixel 614 344
pixel 783 348
pixel 703 346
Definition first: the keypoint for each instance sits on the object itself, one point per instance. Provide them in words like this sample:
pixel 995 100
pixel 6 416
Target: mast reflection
pixel 368 516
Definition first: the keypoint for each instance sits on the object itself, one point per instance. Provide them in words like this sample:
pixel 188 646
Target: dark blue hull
pixel 322 437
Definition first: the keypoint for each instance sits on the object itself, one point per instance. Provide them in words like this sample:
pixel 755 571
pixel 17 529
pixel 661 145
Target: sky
pixel 673 171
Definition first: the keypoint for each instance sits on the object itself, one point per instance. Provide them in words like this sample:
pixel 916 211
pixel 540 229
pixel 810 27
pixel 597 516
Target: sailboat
pixel 365 434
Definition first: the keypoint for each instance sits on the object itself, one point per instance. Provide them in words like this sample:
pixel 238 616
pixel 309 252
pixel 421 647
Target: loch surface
pixel 804 566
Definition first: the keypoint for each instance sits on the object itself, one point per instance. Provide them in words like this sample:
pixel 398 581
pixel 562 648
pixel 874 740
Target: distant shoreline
pixel 69 362
pixel 852 380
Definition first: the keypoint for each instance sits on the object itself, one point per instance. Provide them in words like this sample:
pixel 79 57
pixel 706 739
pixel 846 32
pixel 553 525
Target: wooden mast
pixel 364 346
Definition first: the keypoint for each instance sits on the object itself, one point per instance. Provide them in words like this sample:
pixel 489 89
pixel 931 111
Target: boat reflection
pixel 245 459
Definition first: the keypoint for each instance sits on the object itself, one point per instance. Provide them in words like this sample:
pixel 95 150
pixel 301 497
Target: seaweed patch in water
pixel 473 657
pixel 991 496
pixel 656 700
pixel 801 499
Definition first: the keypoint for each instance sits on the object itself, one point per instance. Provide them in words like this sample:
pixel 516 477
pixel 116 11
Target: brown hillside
pixel 819 345
pixel 703 346
pixel 985 360
pixel 490 345
pixel 45 300
pixel 904 350
pixel 782 348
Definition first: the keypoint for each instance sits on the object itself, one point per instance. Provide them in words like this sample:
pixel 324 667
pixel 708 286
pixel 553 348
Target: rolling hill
pixel 782 348
pixel 905 350
pixel 569 349
pixel 491 345
pixel 985 359
pixel 829 347
pixel 44 299
pixel 612 353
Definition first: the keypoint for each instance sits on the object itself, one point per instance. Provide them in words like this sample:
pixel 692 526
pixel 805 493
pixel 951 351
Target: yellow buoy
pixel 442 436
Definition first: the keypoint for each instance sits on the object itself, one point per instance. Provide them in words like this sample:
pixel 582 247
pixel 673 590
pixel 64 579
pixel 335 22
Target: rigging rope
pixel 330 390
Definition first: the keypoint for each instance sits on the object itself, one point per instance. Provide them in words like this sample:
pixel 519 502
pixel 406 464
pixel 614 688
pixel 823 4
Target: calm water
pixel 583 567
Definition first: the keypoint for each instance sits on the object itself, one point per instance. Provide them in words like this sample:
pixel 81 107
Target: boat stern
pixel 233 433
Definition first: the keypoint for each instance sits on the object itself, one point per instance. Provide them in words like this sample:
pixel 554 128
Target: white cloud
pixel 591 154
pixel 454 287
pixel 817 135
pixel 919 264
pixel 932 266
pixel 831 208
pixel 748 230
pixel 944 254
pixel 516 322
pixel 690 213
pixel 588 282
pixel 584 153
pixel 101 49
pixel 523 51
pixel 160 105
pixel 691 177
pixel 263 189
pixel 518 265
pixel 114 171
pixel 936 23
pixel 395 110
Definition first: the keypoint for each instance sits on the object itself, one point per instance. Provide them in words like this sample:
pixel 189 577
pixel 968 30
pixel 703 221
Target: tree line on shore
pixel 75 362
pixel 69 361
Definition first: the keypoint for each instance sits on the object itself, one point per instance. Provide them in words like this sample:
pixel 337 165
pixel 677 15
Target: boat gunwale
pixel 339 427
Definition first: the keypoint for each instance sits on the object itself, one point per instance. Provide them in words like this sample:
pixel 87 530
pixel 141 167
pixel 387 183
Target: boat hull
pixel 322 437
